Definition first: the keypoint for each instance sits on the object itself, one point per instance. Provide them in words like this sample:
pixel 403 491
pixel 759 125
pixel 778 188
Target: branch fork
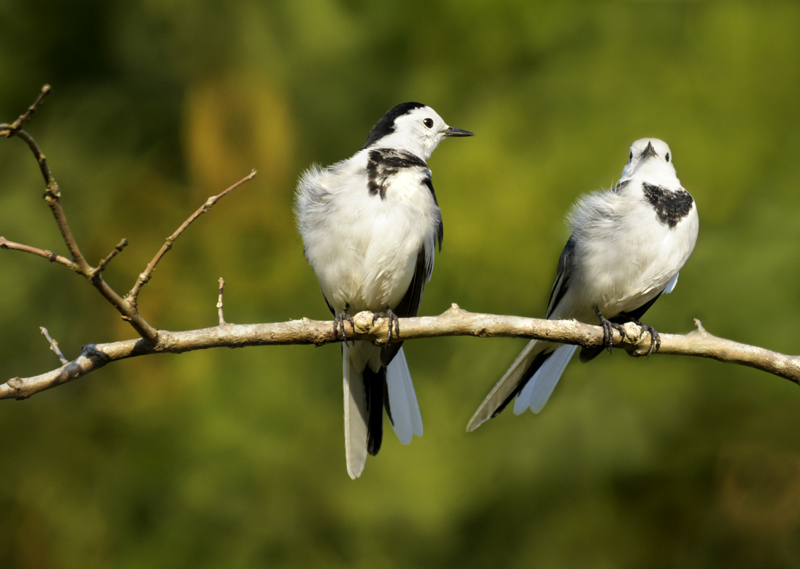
pixel 127 306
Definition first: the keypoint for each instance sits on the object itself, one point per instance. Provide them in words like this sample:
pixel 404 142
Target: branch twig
pixel 11 130
pixel 49 255
pixel 219 302
pixel 133 295
pixel 453 322
pixel 127 306
pixel 104 263
pixel 52 196
pixel 54 346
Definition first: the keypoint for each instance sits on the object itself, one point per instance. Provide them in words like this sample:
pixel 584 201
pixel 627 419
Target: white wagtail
pixel 370 225
pixel 627 246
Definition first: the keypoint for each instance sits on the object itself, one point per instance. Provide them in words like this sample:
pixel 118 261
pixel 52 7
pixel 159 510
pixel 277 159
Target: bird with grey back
pixel 370 225
pixel 626 249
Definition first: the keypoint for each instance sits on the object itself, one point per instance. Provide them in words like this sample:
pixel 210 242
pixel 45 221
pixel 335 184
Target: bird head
pixel 414 127
pixel 650 158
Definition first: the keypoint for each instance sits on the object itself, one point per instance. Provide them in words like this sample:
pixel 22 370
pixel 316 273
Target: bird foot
pixel 338 324
pixel 655 337
pixel 608 330
pixel 394 321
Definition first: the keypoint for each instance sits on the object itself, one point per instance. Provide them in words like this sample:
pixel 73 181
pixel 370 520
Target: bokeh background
pixel 233 459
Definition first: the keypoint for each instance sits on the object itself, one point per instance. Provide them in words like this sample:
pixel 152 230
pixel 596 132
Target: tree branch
pixel 104 263
pixel 49 255
pixel 453 322
pixel 54 346
pixel 127 306
pixel 9 130
pixel 219 302
pixel 133 295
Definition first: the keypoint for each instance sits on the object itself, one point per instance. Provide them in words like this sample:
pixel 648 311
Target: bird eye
pixel 630 157
pixel 428 123
pixel 667 156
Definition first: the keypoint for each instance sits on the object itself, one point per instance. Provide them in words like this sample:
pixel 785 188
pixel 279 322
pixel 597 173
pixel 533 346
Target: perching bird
pixel 627 246
pixel 370 225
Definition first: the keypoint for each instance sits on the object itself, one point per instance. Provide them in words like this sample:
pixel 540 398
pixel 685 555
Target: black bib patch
pixel 671 206
pixel 385 162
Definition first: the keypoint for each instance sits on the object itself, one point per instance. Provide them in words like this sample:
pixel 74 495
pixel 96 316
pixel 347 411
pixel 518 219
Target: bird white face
pixel 420 131
pixel 649 157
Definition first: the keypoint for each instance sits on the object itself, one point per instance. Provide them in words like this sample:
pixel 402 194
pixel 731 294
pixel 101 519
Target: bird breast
pixel 364 244
pixel 625 254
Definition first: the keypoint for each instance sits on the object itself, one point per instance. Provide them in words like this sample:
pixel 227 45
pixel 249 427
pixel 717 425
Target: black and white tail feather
pixel 626 249
pixel 370 225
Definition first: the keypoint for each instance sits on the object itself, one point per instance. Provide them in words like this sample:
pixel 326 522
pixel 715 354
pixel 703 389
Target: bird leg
pixel 608 330
pixel 338 323
pixel 393 321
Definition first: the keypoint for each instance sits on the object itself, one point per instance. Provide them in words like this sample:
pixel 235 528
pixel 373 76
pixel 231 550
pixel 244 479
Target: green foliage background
pixel 230 459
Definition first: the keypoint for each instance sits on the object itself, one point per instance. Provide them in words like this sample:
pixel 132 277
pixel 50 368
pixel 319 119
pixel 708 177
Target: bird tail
pixel 402 406
pixel 531 378
pixel 364 396
pixel 543 380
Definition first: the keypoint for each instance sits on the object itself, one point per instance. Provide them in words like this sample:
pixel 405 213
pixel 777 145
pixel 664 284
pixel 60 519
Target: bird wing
pixel 439 223
pixel 409 304
pixel 561 285
pixel 671 284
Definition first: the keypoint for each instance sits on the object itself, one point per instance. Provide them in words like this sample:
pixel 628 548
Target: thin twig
pixel 219 302
pixel 10 130
pixel 52 196
pixel 102 266
pixel 54 346
pixel 453 322
pixel 50 256
pixel 144 277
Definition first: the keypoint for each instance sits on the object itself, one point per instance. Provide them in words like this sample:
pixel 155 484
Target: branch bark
pixel 453 322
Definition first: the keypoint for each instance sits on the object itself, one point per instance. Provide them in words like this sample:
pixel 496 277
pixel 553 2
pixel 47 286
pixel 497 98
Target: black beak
pixel 649 151
pixel 452 131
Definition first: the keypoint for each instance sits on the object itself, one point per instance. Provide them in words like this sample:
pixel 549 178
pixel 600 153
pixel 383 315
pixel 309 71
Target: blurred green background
pixel 232 459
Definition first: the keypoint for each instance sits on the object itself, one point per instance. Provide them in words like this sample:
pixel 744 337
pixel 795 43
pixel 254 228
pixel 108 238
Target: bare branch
pixel 144 277
pixel 453 322
pixel 219 302
pixel 10 130
pixel 52 196
pixel 50 256
pixel 102 266
pixel 54 346
pixel 78 263
pixel 127 306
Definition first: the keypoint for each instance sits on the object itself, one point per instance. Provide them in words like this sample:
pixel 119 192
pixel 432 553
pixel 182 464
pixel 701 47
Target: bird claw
pixel 655 337
pixel 609 327
pixel 608 330
pixel 394 321
pixel 338 324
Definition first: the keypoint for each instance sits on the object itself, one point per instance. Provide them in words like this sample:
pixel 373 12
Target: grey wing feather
pixel 561 284
pixel 409 304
